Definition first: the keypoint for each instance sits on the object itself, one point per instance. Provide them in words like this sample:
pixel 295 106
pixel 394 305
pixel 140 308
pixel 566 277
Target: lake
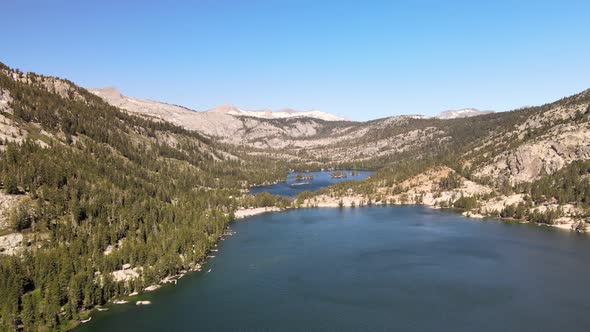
pixel 320 180
pixel 375 269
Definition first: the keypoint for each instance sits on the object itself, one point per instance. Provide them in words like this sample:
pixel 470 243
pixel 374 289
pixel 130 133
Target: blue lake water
pixel 320 180
pixel 375 269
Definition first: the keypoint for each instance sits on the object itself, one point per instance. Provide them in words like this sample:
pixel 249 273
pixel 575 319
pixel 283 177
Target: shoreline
pixel 249 212
pixel 333 203
pixel 358 201
pixel 170 279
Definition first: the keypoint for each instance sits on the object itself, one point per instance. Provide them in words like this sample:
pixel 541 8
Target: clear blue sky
pixel 360 59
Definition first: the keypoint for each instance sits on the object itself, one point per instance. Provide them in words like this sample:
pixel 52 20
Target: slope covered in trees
pixel 529 164
pixel 91 177
pixel 93 188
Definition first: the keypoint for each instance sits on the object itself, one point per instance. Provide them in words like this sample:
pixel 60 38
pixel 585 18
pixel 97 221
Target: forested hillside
pixel 88 188
pixel 309 143
pixel 530 165
pixel 98 202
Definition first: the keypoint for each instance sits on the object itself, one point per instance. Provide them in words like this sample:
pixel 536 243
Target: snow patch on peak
pixel 280 114
pixel 461 113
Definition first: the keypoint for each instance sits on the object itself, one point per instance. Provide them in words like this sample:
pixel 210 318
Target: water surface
pixel 375 269
pixel 320 180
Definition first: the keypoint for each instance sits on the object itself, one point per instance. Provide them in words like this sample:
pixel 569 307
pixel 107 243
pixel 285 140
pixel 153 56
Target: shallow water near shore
pixel 292 187
pixel 375 269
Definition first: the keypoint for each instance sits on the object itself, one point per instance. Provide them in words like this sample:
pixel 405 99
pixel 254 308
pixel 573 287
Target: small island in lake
pixel 338 175
pixel 303 177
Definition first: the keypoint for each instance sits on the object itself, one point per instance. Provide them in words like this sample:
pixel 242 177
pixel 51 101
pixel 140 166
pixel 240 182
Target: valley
pixel 301 165
pixel 493 161
pixel 105 195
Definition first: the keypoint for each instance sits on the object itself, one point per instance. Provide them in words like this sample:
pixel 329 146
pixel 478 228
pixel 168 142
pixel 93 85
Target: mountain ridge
pixel 278 114
pixel 116 98
pixel 461 113
pixel 108 195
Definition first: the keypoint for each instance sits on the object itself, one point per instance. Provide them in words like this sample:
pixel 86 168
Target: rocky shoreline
pixel 324 201
pixel 249 212
pixel 358 201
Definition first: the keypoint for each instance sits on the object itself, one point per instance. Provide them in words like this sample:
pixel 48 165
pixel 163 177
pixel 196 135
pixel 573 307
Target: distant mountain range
pixel 174 113
pixel 280 114
pixel 143 182
pixel 168 111
pixel 461 113
pixel 265 128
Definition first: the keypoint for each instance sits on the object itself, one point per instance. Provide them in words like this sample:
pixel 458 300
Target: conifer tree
pixel 10 184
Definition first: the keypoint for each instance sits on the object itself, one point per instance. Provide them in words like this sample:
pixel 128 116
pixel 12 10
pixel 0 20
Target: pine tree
pixel 10 184
pixel 27 314
pixel 74 296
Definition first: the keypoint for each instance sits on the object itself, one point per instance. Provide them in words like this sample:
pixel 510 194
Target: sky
pixel 359 59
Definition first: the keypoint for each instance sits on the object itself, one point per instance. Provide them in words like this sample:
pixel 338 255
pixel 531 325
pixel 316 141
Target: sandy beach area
pixel 243 213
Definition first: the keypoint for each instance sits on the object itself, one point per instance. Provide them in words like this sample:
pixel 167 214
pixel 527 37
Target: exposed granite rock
pixel 549 153
pixel 6 203
pixel 5 100
pixel 11 244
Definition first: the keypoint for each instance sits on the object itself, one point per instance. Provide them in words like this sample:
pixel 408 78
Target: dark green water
pixel 375 269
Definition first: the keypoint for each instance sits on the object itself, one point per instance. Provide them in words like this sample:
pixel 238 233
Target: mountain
pixel 179 114
pixel 379 141
pixel 163 111
pixel 104 194
pixel 531 164
pixel 299 138
pixel 226 123
pixel 96 202
pixel 280 114
pixel 461 113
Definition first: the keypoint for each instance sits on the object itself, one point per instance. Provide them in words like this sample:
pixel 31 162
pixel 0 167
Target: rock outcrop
pixel 546 154
pixel 11 244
